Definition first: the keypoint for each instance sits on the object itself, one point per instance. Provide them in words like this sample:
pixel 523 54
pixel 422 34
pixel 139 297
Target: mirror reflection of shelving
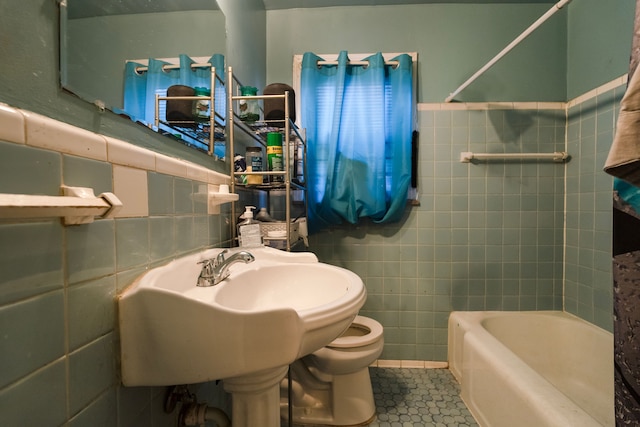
pixel 132 30
pixel 200 124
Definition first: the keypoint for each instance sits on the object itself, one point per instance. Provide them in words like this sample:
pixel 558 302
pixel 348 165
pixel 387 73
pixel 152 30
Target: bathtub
pixel 539 368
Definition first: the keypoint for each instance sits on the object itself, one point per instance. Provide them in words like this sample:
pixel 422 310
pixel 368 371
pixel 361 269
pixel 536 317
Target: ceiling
pixel 292 4
pixel 89 8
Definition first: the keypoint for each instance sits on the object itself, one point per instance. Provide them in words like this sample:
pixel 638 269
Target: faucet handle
pixel 220 257
pixel 207 267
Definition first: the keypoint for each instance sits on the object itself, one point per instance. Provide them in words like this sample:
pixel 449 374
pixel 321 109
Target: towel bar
pixel 77 205
pixel 558 156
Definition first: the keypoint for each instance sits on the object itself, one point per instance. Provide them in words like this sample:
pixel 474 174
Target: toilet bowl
pixel 332 386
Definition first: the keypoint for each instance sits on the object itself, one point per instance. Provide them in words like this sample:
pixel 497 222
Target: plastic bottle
pixel 264 216
pixel 254 164
pixel 274 155
pixel 240 165
pixel 249 108
pixel 249 232
pixel 201 107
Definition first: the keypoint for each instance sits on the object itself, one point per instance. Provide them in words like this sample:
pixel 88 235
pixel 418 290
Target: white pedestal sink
pixel 246 330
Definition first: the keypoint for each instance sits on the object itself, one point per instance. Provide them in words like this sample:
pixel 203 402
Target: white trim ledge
pixel 35 130
pixel 469 106
pixel 418 364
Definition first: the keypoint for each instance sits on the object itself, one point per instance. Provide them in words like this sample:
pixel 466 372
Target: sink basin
pixel 265 315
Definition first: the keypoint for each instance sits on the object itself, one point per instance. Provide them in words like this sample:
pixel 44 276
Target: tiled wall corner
pixel 591 122
pixel 486 236
pixel 489 236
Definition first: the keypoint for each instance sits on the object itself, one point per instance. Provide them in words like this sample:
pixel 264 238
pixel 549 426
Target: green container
pixel 249 108
pixel 201 107
pixel 275 158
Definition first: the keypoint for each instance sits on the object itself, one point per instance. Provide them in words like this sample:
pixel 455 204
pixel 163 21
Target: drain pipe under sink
pixel 299 397
pixel 196 414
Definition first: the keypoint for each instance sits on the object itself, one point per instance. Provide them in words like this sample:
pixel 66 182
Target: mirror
pixel 98 37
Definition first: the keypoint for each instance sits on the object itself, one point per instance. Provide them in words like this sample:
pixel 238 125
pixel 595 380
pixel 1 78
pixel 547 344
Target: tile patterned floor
pixel 417 397
pixel 413 397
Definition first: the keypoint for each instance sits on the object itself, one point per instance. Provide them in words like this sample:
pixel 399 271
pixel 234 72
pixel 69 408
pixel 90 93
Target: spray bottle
pixel 249 232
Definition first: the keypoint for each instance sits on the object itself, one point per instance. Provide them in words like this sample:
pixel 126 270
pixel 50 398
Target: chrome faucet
pixel 216 270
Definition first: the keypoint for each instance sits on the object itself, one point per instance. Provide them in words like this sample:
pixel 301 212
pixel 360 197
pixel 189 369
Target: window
pixel 359 118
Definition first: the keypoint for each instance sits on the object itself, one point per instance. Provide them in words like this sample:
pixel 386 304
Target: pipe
pixel 196 414
pixel 467 156
pixel 299 397
pixel 556 7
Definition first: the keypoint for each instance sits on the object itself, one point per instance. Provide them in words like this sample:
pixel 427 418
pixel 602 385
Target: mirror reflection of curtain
pixel 359 123
pixel 140 88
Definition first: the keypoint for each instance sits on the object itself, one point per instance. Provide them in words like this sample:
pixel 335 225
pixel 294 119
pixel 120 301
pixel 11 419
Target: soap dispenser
pixel 249 232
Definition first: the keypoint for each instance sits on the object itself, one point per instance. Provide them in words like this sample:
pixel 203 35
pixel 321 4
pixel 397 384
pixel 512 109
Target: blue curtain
pixel 359 123
pixel 140 88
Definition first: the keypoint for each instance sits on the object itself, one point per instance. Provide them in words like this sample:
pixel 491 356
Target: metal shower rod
pixel 556 7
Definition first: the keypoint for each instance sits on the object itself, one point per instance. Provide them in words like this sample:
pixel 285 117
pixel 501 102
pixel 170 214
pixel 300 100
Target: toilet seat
pixel 372 331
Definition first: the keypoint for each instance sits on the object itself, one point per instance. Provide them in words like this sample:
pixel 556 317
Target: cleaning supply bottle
pixel 264 216
pixel 249 232
pixel 275 158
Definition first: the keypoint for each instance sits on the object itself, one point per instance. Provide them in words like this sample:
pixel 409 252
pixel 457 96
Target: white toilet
pixel 332 386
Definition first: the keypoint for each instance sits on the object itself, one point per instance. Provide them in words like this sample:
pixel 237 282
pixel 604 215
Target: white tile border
pixel 12 127
pixel 44 132
pixel 25 127
pixel 125 154
pixel 466 106
pixel 419 364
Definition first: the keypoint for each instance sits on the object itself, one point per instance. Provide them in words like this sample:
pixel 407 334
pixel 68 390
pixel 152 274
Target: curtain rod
pixel 556 7
pixel 355 63
pixel 175 67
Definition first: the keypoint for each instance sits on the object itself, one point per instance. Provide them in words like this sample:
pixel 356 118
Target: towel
pixel 624 156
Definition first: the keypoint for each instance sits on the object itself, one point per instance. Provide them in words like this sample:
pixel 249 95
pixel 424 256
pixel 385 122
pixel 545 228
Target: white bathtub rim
pixel 506 363
pixel 538 392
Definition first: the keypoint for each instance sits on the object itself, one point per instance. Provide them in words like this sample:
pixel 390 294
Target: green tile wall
pixel 486 236
pixel 588 286
pixel 58 288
